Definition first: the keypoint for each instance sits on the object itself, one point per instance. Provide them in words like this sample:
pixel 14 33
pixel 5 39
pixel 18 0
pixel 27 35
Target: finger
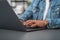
pixel 30 23
pixel 24 23
pixel 34 25
pixel 27 24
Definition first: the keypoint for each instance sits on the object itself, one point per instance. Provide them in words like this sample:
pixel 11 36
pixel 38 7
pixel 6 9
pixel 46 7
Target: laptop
pixel 9 20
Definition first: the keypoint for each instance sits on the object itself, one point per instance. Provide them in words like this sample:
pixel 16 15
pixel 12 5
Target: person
pixel 34 14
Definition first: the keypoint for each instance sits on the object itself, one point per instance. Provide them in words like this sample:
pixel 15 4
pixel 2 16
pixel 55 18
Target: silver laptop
pixel 9 20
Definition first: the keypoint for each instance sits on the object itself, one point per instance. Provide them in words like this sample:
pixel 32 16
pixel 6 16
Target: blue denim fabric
pixel 36 9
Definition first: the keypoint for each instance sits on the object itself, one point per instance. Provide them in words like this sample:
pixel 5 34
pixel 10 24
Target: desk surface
pixel 36 35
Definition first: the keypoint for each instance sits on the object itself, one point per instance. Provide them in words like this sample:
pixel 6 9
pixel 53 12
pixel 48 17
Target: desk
pixel 36 35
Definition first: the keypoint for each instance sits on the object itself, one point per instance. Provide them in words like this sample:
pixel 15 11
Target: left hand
pixel 34 23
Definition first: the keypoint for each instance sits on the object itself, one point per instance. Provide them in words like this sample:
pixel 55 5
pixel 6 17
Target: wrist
pixel 45 22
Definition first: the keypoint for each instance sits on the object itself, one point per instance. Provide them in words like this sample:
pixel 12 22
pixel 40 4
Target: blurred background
pixel 19 6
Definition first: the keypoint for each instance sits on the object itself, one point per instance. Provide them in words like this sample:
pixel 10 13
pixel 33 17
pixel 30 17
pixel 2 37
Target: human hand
pixel 34 23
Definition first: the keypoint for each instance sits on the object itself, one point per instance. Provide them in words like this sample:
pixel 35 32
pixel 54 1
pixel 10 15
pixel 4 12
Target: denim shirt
pixel 36 10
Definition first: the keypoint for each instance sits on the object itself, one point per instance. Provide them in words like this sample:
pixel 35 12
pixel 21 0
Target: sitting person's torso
pixel 36 11
pixel 53 12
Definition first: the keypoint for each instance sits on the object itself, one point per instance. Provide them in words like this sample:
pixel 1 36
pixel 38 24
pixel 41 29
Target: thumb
pixel 33 25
